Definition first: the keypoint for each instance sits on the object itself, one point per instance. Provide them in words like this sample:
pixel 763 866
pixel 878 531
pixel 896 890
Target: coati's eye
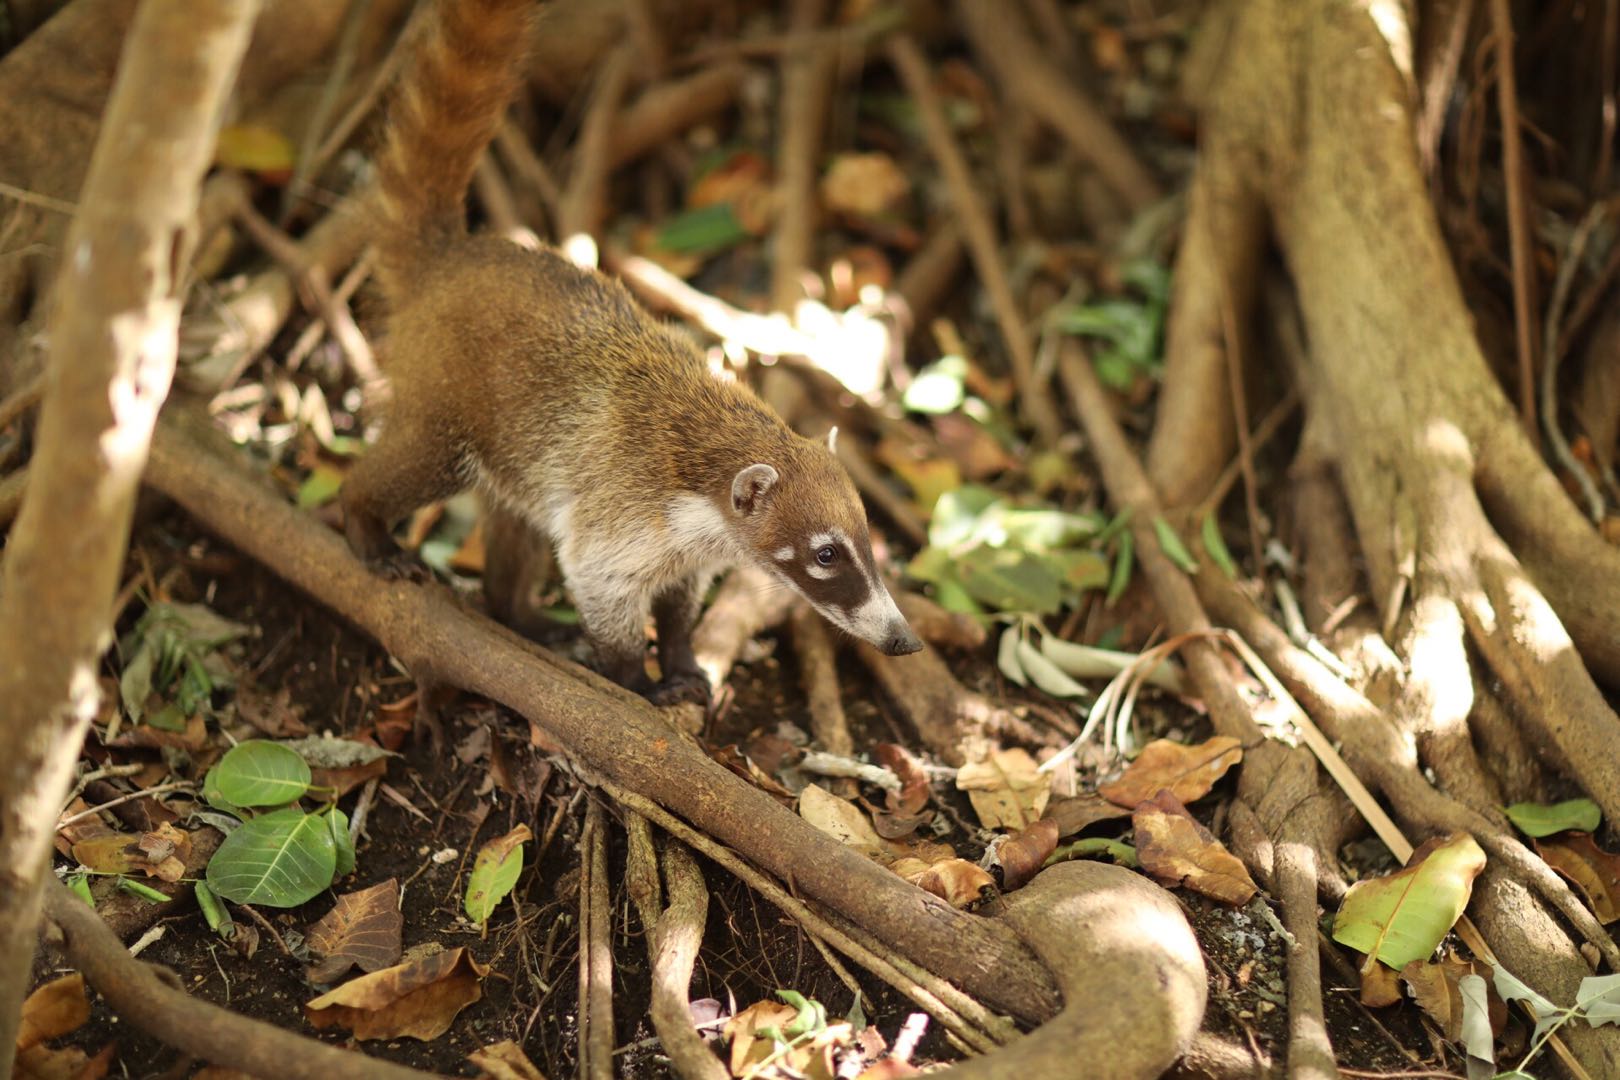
pixel 826 555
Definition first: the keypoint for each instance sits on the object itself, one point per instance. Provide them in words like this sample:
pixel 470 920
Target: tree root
pixel 608 731
pixel 1126 960
pixel 673 935
pixel 153 1003
pixel 1315 125
pixel 595 949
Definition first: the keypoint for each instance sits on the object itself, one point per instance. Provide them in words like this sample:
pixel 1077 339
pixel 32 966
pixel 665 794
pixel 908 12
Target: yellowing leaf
pixel 1007 789
pixel 494 872
pixel 57 1008
pixel 840 819
pixel 864 185
pixel 956 881
pixel 1403 916
pixel 1596 872
pixel 254 148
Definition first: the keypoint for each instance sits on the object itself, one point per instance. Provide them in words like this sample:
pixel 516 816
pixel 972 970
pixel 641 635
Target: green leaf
pixel 320 487
pixel 213 911
pixel 1215 546
pixel 494 872
pixel 1079 570
pixel 1122 853
pixel 1009 580
pixel 1403 916
pixel 932 565
pixel 259 773
pixel 79 884
pixel 280 859
pixel 1540 819
pixel 1599 998
pixel 1172 545
pixel 1124 559
pixel 142 890
pixel 212 795
pixel 703 231
pixel 953 597
pixel 938 388
pixel 338 823
pixel 1041 529
pixel 1007 655
pixel 1047 675
pixel 956 515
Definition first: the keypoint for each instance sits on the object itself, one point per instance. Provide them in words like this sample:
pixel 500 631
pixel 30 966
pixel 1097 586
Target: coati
pixel 549 388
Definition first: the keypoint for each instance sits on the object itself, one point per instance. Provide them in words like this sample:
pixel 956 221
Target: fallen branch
pixel 666 110
pixel 608 730
pixel 595 949
pixel 802 110
pixel 150 999
pixel 585 197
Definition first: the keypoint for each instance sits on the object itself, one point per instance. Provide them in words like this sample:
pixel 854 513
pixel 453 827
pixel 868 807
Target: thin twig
pixel 979 233
pixel 583 203
pixel 595 950
pixel 354 22
pixel 344 129
pixel 22 399
pixel 1553 357
pixel 802 109
pixel 1264 432
pixel 1518 207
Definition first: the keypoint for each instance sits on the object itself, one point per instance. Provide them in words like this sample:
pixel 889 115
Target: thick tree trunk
pixel 112 346
pixel 1309 118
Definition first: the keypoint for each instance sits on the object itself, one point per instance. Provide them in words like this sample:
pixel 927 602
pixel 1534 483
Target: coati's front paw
pixel 400 565
pixel 680 687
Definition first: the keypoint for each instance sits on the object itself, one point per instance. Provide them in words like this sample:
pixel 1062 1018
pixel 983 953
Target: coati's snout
pixel 902 641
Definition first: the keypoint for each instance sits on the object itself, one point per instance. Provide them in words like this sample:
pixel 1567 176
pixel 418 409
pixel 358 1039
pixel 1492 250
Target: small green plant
pixel 1131 327
pixel 175 653
pixel 1597 1002
pixel 986 553
pixel 281 855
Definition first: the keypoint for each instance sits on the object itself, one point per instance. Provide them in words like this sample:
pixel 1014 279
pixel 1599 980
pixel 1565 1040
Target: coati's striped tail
pixel 446 109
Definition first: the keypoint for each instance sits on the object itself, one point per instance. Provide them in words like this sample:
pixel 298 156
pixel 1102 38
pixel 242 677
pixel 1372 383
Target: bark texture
pixel 112 340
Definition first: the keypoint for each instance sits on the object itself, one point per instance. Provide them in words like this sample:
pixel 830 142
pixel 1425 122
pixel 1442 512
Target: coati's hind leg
pixel 675 613
pixel 411 466
pixel 614 612
pixel 517 560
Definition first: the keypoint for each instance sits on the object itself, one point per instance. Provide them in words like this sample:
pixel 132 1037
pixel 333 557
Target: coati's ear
pixel 749 488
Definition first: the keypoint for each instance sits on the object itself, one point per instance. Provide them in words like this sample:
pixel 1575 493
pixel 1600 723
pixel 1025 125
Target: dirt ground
pixel 339 678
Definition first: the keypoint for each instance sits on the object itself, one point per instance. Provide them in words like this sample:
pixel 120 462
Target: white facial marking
pixel 783 554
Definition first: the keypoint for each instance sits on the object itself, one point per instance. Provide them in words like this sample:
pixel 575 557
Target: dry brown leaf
pixel 1594 871
pixel 418 999
pixel 864 185
pixel 956 881
pixel 1007 789
pixel 1076 814
pixel 160 854
pixel 840 819
pixel 733 758
pixel 977 452
pixel 505 1060
pixel 68 1063
pixel 1434 987
pixel 1022 853
pixel 1380 985
pixel 747 1047
pixel 362 929
pixel 1177 850
pixel 1187 771
pixel 344 780
pixel 55 1009
pixel 271 712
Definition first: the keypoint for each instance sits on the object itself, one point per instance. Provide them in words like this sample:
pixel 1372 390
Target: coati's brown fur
pixel 549 388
